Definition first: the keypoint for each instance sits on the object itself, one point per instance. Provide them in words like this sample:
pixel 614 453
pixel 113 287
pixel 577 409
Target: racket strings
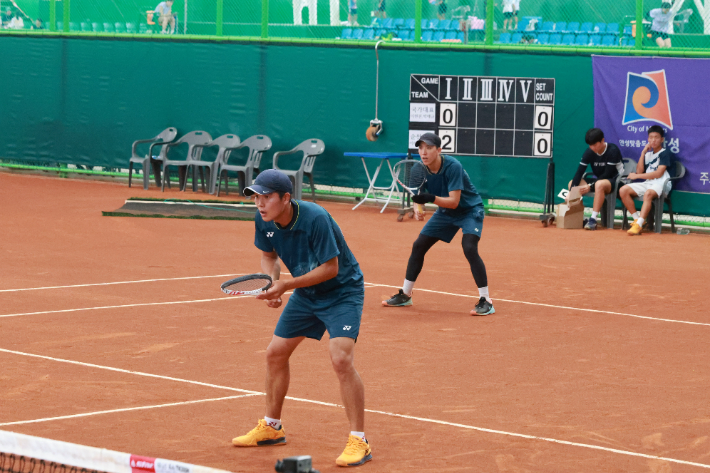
pixel 410 174
pixel 248 285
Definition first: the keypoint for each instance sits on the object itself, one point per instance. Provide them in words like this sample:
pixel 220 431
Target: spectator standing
pixel 352 12
pixel 17 23
pixel 165 18
pixel 516 9
pixel 662 26
pixel 381 11
pixel 443 8
pixel 508 8
pixel 6 18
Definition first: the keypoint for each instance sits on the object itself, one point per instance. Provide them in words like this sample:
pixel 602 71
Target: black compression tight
pixel 470 249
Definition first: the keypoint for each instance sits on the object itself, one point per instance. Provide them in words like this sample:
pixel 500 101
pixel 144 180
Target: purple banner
pixel 631 94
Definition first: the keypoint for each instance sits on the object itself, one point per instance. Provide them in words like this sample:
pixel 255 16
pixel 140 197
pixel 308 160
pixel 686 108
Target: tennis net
pixel 27 454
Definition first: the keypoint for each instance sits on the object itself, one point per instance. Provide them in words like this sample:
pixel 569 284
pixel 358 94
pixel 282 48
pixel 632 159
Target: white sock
pixel 275 423
pixel 640 221
pixel 483 292
pixel 636 215
pixel 407 287
pixel 358 434
pixel 594 215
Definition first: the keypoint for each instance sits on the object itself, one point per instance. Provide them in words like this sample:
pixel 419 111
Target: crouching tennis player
pixel 328 294
pixel 460 206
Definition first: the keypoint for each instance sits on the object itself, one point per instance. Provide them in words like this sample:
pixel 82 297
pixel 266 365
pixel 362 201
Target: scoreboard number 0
pixel 543 144
pixel 448 140
pixel 447 114
pixel 543 117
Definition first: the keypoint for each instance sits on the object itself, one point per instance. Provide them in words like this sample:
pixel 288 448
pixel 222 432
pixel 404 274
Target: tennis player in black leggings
pixel 460 207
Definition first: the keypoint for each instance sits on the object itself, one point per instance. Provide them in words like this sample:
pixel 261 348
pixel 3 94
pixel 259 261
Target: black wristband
pixel 423 198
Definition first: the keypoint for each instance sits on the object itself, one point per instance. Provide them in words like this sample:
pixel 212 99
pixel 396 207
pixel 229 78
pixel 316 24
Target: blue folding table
pixel 382 157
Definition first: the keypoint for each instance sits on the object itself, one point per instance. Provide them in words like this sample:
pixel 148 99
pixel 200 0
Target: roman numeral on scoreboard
pixel 484 116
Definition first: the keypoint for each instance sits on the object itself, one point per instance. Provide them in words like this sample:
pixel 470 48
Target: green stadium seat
pixel 60 26
pixel 73 26
pixel 131 28
pixel 96 27
pixel 85 27
pixel 109 28
pixel 120 27
pixel 143 29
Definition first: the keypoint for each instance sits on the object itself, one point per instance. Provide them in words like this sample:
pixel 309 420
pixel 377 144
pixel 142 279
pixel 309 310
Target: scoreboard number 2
pixel 448 140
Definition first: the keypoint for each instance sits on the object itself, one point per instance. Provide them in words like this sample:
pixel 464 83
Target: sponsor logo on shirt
pixel 647 99
pixel 269 234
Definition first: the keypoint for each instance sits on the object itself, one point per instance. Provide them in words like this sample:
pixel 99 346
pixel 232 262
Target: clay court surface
pixel 596 360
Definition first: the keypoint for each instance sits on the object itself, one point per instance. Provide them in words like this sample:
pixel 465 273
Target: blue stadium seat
pixel 548 26
pixel 612 28
pixel 543 38
pixel 369 34
pixel 377 22
pixel 450 35
pixel 581 40
pixel 459 36
pixel 627 41
pixel 425 24
pixel 628 30
pixel 379 33
pixel 568 39
pixel 560 26
pixel 426 36
pixel 595 40
pixel 523 24
pixel 586 27
pixel 609 40
pixel 409 24
pixel 357 33
pixel 555 39
pixel 572 27
pixel 408 35
pixel 347 33
pixel 504 38
pixel 600 28
pixel 433 24
pixel 387 23
pixel 516 38
pixel 438 36
pixel 444 24
pixel 398 23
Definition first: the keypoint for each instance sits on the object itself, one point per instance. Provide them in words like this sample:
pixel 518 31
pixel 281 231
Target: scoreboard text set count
pixel 484 116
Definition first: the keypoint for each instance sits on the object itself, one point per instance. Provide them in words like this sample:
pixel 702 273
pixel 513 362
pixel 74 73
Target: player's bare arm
pixel 450 202
pixel 649 175
pixel 271 265
pixel 322 273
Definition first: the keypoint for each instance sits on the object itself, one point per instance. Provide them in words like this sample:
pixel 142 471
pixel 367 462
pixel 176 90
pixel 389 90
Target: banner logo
pixel 647 98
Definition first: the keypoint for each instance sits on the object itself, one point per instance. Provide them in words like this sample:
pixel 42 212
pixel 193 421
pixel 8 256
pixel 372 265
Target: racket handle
pixel 420 208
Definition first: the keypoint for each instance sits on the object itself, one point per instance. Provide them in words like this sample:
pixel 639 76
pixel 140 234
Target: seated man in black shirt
pixel 605 159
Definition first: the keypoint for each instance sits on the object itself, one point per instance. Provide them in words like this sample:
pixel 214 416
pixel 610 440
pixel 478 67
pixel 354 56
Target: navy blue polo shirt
pixel 453 177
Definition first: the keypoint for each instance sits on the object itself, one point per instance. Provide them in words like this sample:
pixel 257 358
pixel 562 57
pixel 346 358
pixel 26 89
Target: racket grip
pixel 420 208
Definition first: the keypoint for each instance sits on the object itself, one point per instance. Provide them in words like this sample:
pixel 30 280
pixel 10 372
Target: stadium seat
pixel 398 23
pixel 407 35
pixel 165 136
pixel 60 26
pixel 347 33
pixel 609 40
pixel 409 24
pixel 131 28
pixel 73 26
pixel 595 40
pixel 516 38
pixel 612 28
pixel 581 40
pixel 572 27
pixel 143 29
pixel 627 41
pixel 628 30
pixel 600 28
pixel 434 24
pixel 460 36
pixel 257 145
pixel 586 27
pixel 357 33
pixel 427 35
pixel 555 39
pixel 504 38
pixel 438 36
pixel 120 27
pixel 109 28
pixel 543 38
pixel 380 33
pixel 548 26
pixel 444 25
pixel 568 39
pixel 96 27
pixel 311 149
pixel 369 34
pixel 191 140
pixel 226 144
pixel 451 35
pixel 523 24
pixel 85 27
pixel 387 23
pixel 560 26
pixel 425 24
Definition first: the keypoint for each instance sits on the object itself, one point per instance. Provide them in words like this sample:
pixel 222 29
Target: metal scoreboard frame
pixel 484 115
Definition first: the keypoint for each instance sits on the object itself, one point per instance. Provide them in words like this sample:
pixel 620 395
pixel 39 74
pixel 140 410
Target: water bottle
pixel 683 231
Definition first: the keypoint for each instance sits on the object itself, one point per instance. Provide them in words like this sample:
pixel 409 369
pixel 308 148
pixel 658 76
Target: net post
pixel 65 18
pixel 640 33
pixel 264 19
pixel 490 15
pixel 52 15
pixel 220 17
pixel 418 21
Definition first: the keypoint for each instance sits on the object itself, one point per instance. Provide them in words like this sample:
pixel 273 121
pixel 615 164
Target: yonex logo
pixel 269 234
pixel 647 99
pixel 477 229
pixel 347 327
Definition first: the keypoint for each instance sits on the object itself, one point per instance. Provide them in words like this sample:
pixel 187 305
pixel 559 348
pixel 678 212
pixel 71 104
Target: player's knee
pixel 277 355
pixel 342 361
pixel 421 245
pixel 470 245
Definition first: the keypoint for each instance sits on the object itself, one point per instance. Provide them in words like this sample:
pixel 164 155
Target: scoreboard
pixel 484 116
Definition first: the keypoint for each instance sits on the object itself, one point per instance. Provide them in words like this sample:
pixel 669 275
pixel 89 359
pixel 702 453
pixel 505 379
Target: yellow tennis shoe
pixel 356 452
pixel 261 435
pixel 635 229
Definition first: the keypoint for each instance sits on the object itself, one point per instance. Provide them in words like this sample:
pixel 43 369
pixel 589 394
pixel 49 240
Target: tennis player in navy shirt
pixel 460 207
pixel 328 294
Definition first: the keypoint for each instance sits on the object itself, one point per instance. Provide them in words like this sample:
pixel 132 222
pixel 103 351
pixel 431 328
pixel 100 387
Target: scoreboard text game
pixel 484 116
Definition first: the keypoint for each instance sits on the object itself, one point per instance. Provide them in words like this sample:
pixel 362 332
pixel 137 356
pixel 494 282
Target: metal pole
pixel 490 15
pixel 640 33
pixel 220 16
pixel 52 15
pixel 66 16
pixel 184 21
pixel 264 19
pixel 418 21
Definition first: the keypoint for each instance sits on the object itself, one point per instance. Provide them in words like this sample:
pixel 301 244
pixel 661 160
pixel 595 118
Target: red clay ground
pixel 598 378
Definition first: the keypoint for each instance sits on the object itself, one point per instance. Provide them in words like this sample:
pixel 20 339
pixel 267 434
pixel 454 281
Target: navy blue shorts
pixel 444 226
pixel 306 317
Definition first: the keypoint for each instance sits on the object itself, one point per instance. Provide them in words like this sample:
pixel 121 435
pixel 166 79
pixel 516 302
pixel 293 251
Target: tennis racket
pixel 247 285
pixel 411 174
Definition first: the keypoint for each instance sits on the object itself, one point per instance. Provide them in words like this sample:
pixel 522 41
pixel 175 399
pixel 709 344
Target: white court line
pixel 118 282
pixel 554 306
pixel 127 409
pixel 390 414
